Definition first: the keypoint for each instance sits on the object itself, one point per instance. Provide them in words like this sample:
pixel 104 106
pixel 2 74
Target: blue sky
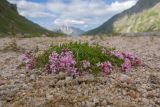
pixel 83 14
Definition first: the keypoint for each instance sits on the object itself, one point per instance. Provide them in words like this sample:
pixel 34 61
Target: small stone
pixel 2 82
pixel 0 104
pixel 157 101
pixel 21 75
pixel 49 97
pixel 61 76
pixel 83 104
pixel 125 78
pixel 133 94
pixel 145 101
pixel 25 86
pixel 104 103
pixel 90 104
pixel 68 78
pixel 61 105
pixel 32 77
pixel 154 79
pixel 95 100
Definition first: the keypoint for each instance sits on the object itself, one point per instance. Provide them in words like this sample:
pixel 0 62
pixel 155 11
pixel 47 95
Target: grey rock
pixel 32 77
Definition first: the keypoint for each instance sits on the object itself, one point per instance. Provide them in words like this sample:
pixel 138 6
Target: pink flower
pixel 129 59
pixel 53 62
pixel 128 55
pixel 126 66
pixel 48 69
pixel 117 54
pixel 65 50
pixel 67 62
pixel 28 60
pixel 66 59
pixel 25 57
pixel 133 58
pixel 29 66
pixel 106 67
pixel 62 62
pixel 53 57
pixel 72 71
pixel 138 61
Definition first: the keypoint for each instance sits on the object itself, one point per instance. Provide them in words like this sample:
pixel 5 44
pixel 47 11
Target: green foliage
pixel 81 52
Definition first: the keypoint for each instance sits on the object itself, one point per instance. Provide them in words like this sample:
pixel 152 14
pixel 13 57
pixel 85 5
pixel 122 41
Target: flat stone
pixel 154 79
pixel 2 82
pixel 125 78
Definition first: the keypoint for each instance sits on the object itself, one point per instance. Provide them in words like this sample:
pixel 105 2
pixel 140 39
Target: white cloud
pixel 56 6
pixel 79 13
pixel 119 6
pixel 69 22
pixel 92 13
pixel 31 9
pixel 37 14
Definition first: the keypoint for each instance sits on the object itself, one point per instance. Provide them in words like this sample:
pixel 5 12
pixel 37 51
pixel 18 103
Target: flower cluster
pixel 28 60
pixel 117 54
pixel 126 66
pixel 133 58
pixel 65 62
pixel 128 58
pixel 62 62
pixel 106 67
pixel 53 62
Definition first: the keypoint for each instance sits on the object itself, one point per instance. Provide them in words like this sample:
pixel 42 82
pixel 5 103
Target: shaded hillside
pixel 13 23
pixel 132 19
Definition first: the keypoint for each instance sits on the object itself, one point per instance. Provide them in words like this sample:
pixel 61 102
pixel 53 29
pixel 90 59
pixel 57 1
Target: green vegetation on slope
pixel 12 23
pixel 146 21
pixel 143 17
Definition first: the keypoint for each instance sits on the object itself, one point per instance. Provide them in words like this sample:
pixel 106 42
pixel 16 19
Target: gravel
pixel 138 88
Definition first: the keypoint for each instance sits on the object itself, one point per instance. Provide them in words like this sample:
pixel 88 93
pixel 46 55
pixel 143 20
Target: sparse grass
pixel 81 52
pixel 146 21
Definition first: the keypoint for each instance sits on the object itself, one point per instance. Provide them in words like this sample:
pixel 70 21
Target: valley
pixel 52 54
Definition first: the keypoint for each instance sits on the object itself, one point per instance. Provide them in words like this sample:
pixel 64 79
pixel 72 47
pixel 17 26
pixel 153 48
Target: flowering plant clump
pixel 128 58
pixel 76 58
pixel 29 60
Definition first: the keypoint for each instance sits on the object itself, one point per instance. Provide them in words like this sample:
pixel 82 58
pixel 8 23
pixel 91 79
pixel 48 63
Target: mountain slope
pixel 143 17
pixel 11 22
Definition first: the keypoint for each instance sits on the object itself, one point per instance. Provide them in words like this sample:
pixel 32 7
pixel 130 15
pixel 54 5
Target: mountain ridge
pixel 68 30
pixel 108 26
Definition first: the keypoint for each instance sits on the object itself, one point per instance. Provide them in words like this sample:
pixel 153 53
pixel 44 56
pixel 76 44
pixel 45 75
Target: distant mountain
pixel 68 30
pixel 143 17
pixel 13 23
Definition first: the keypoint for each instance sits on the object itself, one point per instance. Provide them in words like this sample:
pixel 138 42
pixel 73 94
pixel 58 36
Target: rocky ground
pixel 22 88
